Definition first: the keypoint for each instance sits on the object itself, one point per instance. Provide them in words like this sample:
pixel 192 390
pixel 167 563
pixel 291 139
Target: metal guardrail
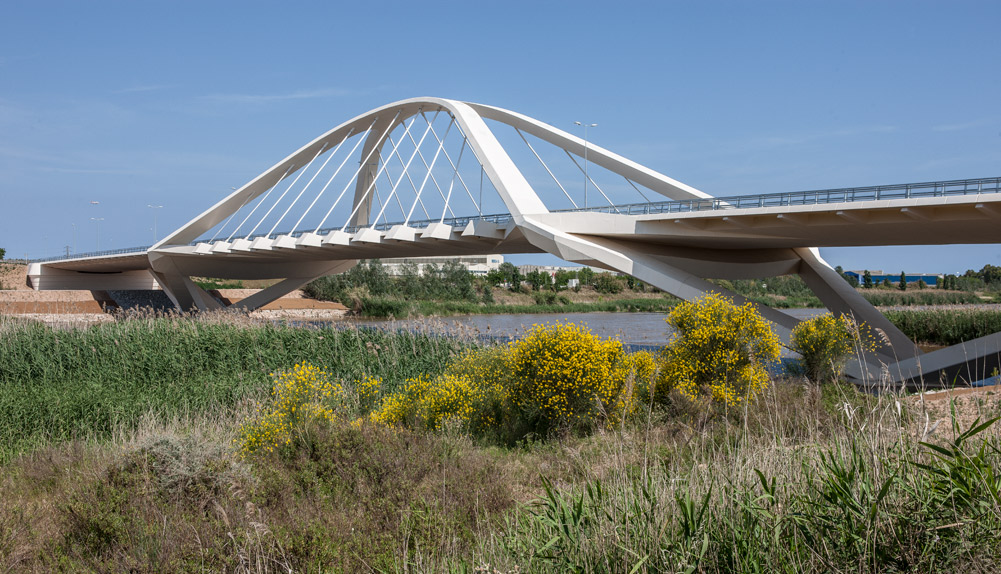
pixel 987 185
pixel 123 251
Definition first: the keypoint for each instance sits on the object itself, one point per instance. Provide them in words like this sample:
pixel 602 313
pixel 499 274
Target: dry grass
pixel 170 496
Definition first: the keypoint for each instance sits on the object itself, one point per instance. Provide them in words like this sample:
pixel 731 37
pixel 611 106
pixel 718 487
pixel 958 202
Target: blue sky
pixel 173 104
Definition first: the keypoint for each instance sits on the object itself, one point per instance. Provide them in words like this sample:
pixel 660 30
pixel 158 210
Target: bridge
pixel 438 177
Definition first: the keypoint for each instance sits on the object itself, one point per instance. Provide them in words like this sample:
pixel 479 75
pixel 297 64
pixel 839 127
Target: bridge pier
pixel 174 273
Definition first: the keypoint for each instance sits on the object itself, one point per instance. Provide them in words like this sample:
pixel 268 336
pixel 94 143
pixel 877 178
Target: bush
pixel 824 343
pixel 565 378
pixel 544 298
pixel 607 283
pixel 719 352
pixel 447 401
pixel 300 396
pixel 559 378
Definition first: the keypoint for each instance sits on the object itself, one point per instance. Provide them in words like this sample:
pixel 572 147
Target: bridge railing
pixel 107 253
pixel 988 185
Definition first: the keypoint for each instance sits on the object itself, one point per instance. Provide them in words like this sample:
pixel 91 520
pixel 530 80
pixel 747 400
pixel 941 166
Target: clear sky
pixel 175 103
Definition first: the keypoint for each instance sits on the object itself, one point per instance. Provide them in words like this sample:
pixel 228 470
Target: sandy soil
pixel 14 276
pixel 933 409
pixel 88 307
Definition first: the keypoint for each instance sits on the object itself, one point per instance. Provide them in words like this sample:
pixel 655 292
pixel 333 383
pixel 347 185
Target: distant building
pixel 878 276
pixel 548 269
pixel 475 264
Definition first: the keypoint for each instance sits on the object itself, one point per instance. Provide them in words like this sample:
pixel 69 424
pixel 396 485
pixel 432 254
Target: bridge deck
pixel 953 211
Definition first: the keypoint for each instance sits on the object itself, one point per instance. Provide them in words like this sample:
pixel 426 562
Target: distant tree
pixel 378 279
pixel 538 279
pixel 562 279
pixel 990 274
pixel 488 293
pixel 867 280
pixel 607 283
pixel 886 283
pixel 409 283
pixel 903 282
pixel 495 277
pixel 512 276
pixel 457 282
pixel 3 253
pixel 966 283
pixel 922 284
pixel 585 276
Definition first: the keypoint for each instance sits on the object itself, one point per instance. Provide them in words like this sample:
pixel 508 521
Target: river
pixel 635 329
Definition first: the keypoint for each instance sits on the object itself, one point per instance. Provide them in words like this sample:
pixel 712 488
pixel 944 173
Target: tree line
pixel 987 279
pixel 451 281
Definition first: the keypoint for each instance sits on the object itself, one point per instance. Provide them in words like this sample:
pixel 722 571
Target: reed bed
pixel 946 326
pixel 59 384
pixel 881 298
pixel 399 308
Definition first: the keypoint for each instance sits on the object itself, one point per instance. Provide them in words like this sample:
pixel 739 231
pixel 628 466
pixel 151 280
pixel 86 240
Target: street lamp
pixel 74 237
pixel 154 207
pixel 585 156
pixel 97 233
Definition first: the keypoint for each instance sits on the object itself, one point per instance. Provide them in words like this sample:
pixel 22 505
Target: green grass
pixel 60 384
pixel 391 307
pixel 885 298
pixel 946 326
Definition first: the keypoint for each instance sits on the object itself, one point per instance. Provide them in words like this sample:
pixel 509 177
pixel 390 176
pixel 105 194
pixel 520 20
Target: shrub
pixel 558 378
pixel 824 343
pixel 544 298
pixel 719 351
pixel 299 397
pixel 564 378
pixel 447 401
pixel 607 283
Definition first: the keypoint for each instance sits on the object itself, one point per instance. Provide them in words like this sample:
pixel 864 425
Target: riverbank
pixel 93 307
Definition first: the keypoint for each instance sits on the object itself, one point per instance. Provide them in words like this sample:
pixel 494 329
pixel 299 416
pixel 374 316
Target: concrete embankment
pixel 91 307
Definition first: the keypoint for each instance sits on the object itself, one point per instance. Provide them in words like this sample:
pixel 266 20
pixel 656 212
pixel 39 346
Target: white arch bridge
pixel 430 176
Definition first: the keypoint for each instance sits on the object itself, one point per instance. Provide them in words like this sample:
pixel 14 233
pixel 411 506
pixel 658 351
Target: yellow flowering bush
pixel 557 377
pixel 368 390
pixel 563 376
pixel 436 403
pixel 719 351
pixel 299 396
pixel 825 343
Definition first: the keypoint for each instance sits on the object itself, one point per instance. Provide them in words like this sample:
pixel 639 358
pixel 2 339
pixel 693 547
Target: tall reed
pixel 56 384
pixel 946 326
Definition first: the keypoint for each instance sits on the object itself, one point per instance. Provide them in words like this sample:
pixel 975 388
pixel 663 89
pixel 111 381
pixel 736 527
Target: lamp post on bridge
pixel 97 233
pixel 74 237
pixel 585 156
pixel 154 208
